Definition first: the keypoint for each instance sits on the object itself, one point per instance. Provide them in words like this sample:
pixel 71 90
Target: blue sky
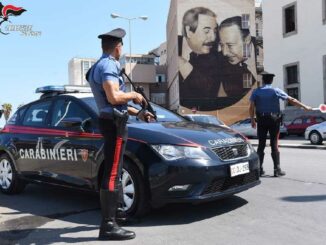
pixel 69 29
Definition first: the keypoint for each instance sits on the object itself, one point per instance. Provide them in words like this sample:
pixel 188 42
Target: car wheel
pixel 9 180
pixel 315 138
pixel 135 196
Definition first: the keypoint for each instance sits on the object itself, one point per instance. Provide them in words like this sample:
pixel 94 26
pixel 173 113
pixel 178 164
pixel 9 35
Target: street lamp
pixel 143 17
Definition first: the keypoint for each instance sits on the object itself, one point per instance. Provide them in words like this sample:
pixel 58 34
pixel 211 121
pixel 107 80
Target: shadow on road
pixel 316 198
pixel 39 205
pixel 176 214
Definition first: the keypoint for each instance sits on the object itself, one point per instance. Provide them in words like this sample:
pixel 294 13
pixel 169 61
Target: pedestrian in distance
pixel 111 98
pixel 265 103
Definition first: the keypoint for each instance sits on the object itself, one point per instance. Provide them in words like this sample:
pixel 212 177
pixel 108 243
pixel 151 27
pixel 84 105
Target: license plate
pixel 240 168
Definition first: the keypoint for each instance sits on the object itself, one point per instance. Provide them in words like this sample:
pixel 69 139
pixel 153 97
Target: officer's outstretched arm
pixel 297 103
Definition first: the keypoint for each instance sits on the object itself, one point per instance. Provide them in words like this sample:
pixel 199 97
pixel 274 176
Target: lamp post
pixel 129 20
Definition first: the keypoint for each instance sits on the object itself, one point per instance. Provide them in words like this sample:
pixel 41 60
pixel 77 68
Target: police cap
pixel 118 33
pixel 267 74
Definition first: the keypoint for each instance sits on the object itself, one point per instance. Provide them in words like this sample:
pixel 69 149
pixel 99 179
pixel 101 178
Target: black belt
pixel 274 114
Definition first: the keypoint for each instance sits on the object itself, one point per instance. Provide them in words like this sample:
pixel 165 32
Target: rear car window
pixel 36 114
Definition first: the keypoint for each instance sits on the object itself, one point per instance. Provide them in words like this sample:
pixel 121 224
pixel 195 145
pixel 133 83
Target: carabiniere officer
pixel 111 98
pixel 265 101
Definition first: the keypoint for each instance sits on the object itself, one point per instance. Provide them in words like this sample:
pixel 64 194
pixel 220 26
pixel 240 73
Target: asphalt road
pixel 288 210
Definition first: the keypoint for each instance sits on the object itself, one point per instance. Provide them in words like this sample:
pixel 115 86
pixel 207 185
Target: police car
pixel 56 140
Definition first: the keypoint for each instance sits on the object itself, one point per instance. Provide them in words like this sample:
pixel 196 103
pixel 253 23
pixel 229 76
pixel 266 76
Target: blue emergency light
pixel 63 89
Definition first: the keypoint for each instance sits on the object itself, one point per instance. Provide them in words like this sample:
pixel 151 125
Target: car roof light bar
pixel 63 89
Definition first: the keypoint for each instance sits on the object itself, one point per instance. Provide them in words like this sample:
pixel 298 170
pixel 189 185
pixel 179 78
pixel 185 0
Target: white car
pixel 316 133
pixel 244 127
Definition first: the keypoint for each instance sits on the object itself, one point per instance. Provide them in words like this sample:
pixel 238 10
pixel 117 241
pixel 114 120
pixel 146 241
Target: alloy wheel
pixel 128 186
pixel 6 174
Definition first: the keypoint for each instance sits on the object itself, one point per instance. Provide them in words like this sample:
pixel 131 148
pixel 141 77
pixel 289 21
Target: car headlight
pixel 172 152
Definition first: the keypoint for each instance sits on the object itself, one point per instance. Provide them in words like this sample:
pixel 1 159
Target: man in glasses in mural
pixel 239 65
pixel 198 58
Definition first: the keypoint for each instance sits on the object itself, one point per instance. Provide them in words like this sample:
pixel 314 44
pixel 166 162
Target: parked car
pixel 203 118
pixel 316 133
pixel 299 124
pixel 56 140
pixel 244 127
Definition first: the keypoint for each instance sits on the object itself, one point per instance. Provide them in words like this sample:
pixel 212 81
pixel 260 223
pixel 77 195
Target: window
pixel 293 92
pixel 85 66
pixel 297 121
pixel 36 114
pixel 292 74
pixel 245 21
pixel 160 78
pixel 247 80
pixel 246 50
pixel 319 119
pixel 292 80
pixel 290 19
pixel 64 109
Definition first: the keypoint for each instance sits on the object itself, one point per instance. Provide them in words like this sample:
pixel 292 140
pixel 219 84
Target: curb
pixel 297 146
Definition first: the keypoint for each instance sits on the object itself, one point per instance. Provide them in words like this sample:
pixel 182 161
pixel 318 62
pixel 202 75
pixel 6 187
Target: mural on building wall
pixel 217 53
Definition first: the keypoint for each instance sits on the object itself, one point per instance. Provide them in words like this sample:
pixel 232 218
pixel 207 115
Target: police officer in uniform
pixel 265 102
pixel 108 88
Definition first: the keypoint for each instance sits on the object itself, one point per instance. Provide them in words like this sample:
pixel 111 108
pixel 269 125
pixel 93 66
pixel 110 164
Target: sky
pixel 68 29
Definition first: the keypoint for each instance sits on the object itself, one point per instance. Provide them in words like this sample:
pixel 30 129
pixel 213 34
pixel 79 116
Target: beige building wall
pixel 77 69
pixel 172 56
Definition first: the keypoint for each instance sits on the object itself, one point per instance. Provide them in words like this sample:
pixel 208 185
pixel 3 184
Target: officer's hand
pixel 253 123
pixel 139 99
pixel 307 108
pixel 146 116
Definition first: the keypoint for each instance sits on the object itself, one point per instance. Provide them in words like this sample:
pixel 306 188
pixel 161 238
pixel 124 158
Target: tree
pixel 7 108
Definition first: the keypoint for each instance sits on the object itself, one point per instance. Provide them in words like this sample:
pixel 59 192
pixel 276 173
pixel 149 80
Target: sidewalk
pixel 293 142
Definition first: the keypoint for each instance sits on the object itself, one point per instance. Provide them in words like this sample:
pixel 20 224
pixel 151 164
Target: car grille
pixel 231 152
pixel 223 184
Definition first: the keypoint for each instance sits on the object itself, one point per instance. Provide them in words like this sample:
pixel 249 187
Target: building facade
pixel 77 69
pixel 212 57
pixel 295 48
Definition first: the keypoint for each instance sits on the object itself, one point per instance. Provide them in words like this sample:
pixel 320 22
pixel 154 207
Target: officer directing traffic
pixel 109 89
pixel 265 101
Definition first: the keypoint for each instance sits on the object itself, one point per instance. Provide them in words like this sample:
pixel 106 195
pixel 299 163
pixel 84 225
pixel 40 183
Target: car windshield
pixel 207 119
pixel 163 115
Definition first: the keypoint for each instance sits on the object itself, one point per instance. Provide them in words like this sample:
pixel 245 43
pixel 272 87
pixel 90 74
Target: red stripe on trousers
pixel 115 167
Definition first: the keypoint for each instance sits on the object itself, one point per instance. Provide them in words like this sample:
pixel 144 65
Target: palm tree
pixel 7 108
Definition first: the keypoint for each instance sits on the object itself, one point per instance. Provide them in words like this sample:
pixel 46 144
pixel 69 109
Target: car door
pixel 75 147
pixel 28 133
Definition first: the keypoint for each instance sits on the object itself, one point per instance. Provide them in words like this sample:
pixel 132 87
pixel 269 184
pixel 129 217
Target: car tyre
pixel 10 183
pixel 315 138
pixel 133 186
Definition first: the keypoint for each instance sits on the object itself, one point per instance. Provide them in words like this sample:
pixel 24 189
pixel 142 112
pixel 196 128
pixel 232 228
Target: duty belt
pixel 274 114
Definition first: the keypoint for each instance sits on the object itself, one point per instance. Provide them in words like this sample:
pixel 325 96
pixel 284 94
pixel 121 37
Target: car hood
pixel 184 133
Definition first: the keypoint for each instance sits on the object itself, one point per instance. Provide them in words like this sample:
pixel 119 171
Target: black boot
pixel 261 161
pixel 109 229
pixel 277 169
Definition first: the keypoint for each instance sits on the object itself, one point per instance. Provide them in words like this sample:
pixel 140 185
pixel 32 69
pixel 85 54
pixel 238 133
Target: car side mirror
pixel 72 122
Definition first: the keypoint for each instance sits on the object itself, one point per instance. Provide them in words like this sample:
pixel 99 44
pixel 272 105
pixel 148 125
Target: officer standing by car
pixel 108 88
pixel 265 101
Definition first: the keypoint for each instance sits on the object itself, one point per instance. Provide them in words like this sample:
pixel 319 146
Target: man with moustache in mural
pixel 239 70
pixel 198 58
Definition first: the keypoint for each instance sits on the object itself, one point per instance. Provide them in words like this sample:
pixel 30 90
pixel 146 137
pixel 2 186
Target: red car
pixel 299 124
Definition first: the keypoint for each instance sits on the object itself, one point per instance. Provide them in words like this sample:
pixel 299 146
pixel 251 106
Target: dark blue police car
pixel 56 140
